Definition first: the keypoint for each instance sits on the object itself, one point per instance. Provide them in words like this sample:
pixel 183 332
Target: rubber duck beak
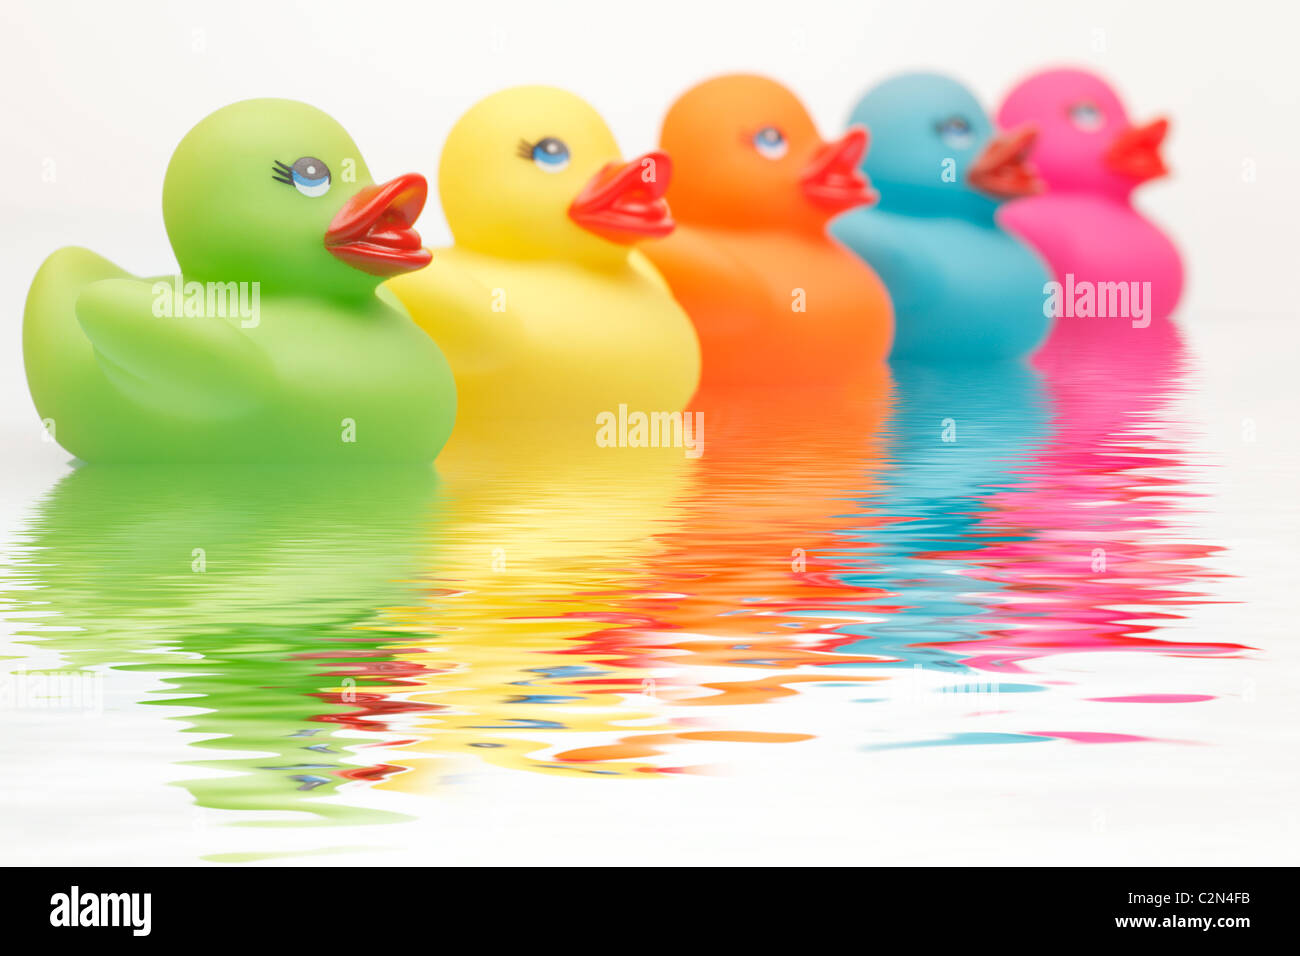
pixel 833 180
pixel 625 203
pixel 1136 151
pixel 1002 170
pixel 374 231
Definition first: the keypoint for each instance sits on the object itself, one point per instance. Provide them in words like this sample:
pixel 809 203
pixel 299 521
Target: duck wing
pixel 203 367
pixel 470 321
pixel 713 284
pixel 901 250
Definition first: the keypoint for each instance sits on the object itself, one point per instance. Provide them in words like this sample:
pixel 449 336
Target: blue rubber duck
pixel 964 290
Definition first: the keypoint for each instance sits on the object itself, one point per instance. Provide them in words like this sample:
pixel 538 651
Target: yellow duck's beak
pixel 625 203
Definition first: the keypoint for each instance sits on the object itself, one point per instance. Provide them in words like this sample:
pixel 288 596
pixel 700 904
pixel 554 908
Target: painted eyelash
pixel 525 149
pixel 282 173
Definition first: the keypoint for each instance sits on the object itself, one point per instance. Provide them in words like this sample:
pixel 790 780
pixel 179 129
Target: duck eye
pixel 549 154
pixel 770 143
pixel 308 175
pixel 956 132
pixel 1087 117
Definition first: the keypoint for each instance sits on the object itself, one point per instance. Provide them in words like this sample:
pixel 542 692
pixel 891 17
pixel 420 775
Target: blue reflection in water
pixel 959 435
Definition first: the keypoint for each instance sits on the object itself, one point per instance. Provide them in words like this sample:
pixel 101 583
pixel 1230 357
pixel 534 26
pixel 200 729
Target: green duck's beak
pixel 374 231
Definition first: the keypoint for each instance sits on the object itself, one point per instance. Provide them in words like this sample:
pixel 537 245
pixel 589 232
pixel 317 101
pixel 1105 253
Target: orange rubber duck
pixel 774 299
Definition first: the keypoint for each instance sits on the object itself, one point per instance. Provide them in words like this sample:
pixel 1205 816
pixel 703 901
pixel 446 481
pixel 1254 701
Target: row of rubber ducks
pixel 746 251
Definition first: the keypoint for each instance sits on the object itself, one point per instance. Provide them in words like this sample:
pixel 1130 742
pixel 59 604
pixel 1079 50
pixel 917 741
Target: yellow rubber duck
pixel 543 307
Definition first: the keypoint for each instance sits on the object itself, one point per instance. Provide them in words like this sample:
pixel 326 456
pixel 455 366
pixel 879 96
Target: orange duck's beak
pixel 833 180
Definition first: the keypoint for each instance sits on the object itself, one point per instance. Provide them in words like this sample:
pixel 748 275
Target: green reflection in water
pixel 253 593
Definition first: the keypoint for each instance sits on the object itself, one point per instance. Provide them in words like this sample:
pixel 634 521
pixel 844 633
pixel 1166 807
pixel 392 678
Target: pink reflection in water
pixel 1155 699
pixel 1092 563
pixel 1091 737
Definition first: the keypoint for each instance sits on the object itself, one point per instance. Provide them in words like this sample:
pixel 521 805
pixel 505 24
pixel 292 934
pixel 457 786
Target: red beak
pixel 626 203
pixel 1136 151
pixel 1001 169
pixel 374 231
pixel 833 180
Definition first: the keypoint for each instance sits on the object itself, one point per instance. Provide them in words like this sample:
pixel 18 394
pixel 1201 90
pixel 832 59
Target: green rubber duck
pixel 275 343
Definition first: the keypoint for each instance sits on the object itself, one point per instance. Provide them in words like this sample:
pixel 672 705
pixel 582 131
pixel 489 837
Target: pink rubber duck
pixel 1115 272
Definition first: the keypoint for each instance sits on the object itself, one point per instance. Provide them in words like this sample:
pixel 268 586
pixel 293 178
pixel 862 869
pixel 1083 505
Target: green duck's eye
pixel 308 175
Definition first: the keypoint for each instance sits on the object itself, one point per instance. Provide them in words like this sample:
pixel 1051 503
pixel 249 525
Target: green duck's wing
pixel 385 295
pixel 200 366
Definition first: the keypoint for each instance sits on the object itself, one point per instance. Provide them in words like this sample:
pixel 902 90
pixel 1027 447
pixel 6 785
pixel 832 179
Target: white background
pixel 105 96
pixel 101 97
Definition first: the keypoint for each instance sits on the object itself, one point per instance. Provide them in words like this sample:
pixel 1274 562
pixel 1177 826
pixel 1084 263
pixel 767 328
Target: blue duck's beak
pixel 1002 170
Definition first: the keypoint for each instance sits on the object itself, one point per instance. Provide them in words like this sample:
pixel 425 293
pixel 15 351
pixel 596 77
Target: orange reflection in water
pixel 557 607
pixel 587 595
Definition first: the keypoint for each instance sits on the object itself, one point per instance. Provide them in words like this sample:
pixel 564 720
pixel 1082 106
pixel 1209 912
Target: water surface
pixel 945 561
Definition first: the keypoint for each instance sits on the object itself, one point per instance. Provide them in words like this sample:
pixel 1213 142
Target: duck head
pixel 748 155
pixel 533 172
pixel 936 150
pixel 1085 139
pixel 275 191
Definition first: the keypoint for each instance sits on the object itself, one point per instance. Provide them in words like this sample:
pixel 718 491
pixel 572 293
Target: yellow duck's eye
pixel 308 175
pixel 548 154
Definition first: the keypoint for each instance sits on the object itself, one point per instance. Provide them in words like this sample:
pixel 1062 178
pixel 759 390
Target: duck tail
pixel 56 353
